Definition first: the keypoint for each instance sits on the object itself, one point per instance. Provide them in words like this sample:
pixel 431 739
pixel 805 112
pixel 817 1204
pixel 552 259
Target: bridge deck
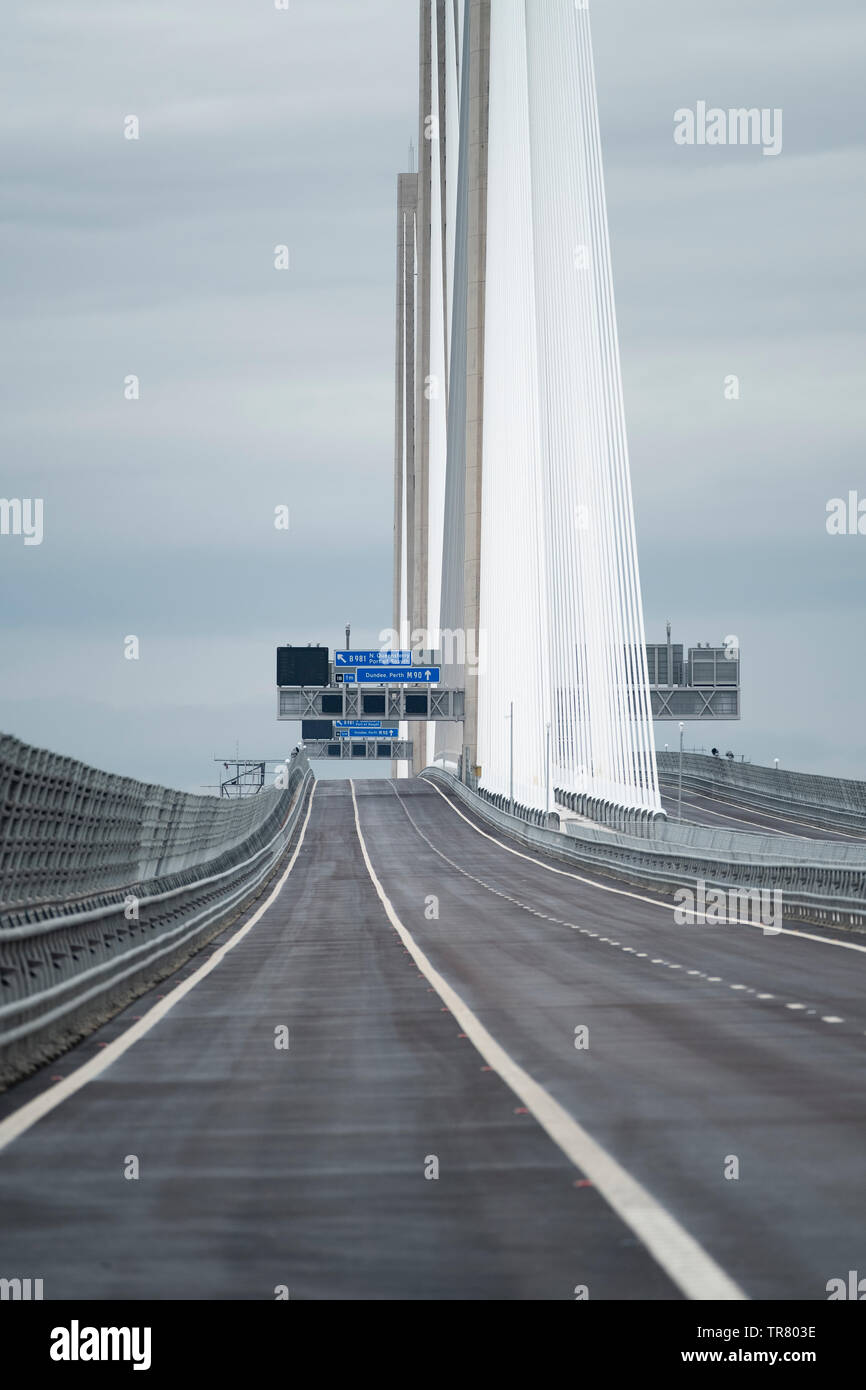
pixel 305 1168
pixel 722 810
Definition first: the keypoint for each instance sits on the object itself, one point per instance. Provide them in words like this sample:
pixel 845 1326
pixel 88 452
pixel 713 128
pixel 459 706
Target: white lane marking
pixel 760 810
pixel 694 1272
pixel 754 826
pixel 795 1006
pixel 638 897
pixel 21 1120
pixel 831 1018
pixel 711 979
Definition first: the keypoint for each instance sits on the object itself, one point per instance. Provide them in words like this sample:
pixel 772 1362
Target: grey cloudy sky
pixel 155 257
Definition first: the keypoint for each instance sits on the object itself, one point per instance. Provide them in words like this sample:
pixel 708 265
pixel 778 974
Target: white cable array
pixel 561 613
pixel 513 579
pixel 560 595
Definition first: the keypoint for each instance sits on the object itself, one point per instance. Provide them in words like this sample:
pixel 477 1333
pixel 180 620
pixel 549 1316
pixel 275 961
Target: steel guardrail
pixel 68 960
pixel 833 803
pixel 819 881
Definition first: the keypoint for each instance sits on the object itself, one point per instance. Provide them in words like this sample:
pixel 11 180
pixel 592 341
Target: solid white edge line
pixel 686 1263
pixel 21 1120
pixel 638 897
pixel 738 806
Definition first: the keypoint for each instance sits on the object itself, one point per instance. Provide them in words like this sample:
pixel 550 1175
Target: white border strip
pixel 21 1120
pixel 693 1271
pixel 627 892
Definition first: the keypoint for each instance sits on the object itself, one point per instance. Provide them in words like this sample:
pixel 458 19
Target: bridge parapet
pixel 108 884
pixel 830 801
pixel 820 881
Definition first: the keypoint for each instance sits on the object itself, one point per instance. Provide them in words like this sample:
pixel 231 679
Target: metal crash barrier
pixel 107 885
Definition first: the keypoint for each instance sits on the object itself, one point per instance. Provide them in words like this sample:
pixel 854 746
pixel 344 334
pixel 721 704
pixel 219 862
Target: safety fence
pixel 821 881
pixel 107 885
pixel 830 802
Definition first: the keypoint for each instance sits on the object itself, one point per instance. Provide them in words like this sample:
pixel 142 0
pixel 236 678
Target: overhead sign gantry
pixel 352 706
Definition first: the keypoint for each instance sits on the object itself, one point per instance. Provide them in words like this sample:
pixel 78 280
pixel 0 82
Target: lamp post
pixel 680 786
pixel 511 758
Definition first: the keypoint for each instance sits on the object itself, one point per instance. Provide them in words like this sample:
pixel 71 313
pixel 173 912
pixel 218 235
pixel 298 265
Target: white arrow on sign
pixel 340 660
pixel 427 674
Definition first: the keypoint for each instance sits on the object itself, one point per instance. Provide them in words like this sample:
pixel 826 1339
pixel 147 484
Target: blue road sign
pixel 398 675
pixel 363 724
pixel 369 733
pixel 343 660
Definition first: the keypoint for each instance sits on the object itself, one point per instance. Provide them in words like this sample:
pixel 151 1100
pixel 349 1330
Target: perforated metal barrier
pixel 108 884
pixel 831 802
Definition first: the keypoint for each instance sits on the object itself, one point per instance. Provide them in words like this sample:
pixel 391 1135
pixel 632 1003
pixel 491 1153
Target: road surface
pixel 310 1169
pixel 703 808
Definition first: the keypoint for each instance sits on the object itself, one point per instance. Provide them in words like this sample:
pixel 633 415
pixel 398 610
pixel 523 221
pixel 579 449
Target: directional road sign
pixel 363 725
pixel 369 733
pixel 342 660
pixel 398 675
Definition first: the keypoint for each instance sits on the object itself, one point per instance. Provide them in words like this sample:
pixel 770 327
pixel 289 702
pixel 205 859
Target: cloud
pixel 261 387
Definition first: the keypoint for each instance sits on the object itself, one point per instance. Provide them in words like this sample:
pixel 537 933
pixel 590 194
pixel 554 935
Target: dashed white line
pixel 574 926
pixel 626 892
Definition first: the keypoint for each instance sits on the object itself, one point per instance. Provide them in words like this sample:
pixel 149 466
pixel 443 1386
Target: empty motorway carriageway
pixel 377 1039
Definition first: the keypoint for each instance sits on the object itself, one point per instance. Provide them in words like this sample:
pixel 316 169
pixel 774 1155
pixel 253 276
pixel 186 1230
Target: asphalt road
pixel 305 1167
pixel 701 808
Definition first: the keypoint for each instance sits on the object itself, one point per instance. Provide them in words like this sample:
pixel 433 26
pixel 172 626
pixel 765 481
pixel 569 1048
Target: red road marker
pixel 521 1110
pixel 583 1182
